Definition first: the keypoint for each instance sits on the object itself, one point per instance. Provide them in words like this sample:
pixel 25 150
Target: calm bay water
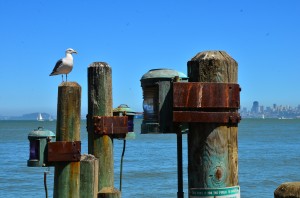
pixel 269 154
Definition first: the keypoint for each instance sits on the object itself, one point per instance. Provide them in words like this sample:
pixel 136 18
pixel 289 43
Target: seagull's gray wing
pixel 57 65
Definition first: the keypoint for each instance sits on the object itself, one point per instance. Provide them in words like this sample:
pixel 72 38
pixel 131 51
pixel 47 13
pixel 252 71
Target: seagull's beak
pixel 74 52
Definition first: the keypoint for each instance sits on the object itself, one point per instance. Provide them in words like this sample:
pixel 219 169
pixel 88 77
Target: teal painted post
pixel 212 147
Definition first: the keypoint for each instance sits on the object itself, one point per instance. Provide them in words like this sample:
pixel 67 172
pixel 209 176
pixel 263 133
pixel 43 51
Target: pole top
pixel 69 84
pixel 99 64
pixel 212 66
pixel 212 55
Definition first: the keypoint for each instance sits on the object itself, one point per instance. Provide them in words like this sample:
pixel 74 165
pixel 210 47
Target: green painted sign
pixel 229 192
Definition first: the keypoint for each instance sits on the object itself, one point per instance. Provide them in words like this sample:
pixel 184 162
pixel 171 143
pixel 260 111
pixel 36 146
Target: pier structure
pixel 208 102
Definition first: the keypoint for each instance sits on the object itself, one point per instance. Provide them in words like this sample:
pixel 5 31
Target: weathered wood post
pixel 67 174
pixel 287 190
pixel 101 146
pixel 212 144
pixel 89 168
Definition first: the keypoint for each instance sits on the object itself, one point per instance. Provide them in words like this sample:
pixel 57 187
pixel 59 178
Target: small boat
pixel 50 118
pixel 284 118
pixel 40 118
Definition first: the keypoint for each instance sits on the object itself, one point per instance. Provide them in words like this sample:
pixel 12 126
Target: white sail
pixel 40 118
pixel 50 118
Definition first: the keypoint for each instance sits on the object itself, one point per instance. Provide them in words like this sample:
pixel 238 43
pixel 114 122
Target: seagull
pixel 64 65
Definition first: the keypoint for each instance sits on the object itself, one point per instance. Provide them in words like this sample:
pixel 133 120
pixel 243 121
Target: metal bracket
pixel 206 117
pixel 62 151
pixel 202 95
pixel 110 125
pixel 206 102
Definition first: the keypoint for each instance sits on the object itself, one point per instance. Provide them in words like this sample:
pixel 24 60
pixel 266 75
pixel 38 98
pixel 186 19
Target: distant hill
pixel 30 116
pixel 33 116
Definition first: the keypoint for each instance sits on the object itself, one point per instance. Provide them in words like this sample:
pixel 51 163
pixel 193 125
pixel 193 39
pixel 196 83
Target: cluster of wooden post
pixel 212 147
pixel 93 175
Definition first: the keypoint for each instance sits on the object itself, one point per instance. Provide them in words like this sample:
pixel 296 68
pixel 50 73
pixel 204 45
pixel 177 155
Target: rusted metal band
pixel 206 102
pixel 110 125
pixel 204 95
pixel 62 151
pixel 206 117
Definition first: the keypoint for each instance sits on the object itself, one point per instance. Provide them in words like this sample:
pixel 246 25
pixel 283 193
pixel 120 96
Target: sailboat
pixel 50 118
pixel 40 118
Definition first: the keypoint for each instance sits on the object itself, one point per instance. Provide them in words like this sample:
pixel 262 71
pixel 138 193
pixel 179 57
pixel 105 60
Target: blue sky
pixel 136 36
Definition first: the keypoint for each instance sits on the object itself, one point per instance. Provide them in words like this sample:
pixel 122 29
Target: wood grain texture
pixel 212 147
pixel 89 167
pixel 287 190
pixel 67 174
pixel 100 104
pixel 212 66
pixel 109 192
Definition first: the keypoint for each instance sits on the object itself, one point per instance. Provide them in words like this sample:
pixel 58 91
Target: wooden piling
pixel 109 192
pixel 100 104
pixel 212 147
pixel 89 167
pixel 67 174
pixel 288 190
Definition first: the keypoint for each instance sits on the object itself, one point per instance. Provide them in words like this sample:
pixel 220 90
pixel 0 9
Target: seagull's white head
pixel 70 51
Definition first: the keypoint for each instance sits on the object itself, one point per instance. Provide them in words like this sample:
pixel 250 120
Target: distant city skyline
pixel 256 104
pixel 274 111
